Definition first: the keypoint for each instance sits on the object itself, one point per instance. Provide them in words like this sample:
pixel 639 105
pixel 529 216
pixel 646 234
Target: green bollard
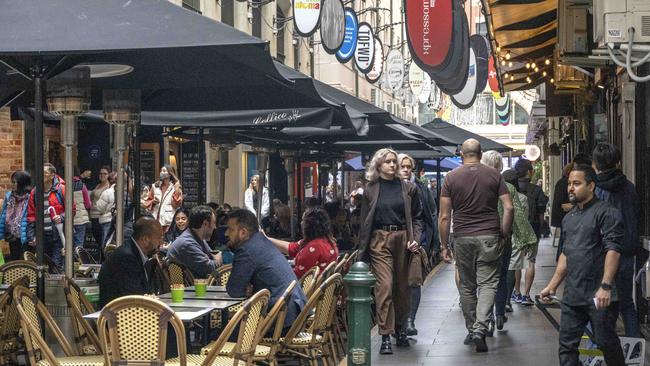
pixel 359 281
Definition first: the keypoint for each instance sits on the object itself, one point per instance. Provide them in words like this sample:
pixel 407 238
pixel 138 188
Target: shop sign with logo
pixel 364 55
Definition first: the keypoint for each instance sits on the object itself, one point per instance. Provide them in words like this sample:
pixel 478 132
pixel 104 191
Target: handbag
pixel 419 268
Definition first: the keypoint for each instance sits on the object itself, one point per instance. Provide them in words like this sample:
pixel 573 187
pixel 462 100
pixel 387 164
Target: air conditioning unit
pixel 613 18
pixel 572 27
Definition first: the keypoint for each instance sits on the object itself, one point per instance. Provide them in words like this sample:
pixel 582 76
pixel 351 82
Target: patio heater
pixel 262 167
pixel 121 109
pixel 68 96
pixel 289 166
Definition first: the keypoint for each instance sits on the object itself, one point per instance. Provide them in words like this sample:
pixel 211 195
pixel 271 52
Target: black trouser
pixel 603 322
pixel 416 293
pixel 16 248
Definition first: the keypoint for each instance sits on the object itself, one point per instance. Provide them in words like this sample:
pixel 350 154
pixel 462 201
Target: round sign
pixel 426 89
pixel 395 69
pixel 465 98
pixel 416 78
pixel 306 16
pixel 492 76
pixel 364 55
pixel 482 53
pixel 94 152
pixel 505 120
pixel 532 152
pixel 332 25
pixel 378 65
pixel 429 31
pixel 346 51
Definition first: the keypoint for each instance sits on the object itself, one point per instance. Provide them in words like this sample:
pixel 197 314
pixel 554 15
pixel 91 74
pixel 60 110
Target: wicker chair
pixel 84 256
pixel 249 320
pixel 32 312
pixel 108 249
pixel 308 280
pixel 275 318
pixel 86 339
pixel 15 270
pixel 326 273
pixel 221 275
pixel 133 330
pixel 10 341
pixel 177 273
pixel 29 256
pixel 159 278
pixel 341 263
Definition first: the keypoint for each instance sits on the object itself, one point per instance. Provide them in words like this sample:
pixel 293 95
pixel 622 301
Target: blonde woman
pixel 390 229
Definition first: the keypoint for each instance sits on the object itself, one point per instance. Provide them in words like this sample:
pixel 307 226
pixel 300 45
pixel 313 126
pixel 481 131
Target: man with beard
pixel 612 186
pixel 589 261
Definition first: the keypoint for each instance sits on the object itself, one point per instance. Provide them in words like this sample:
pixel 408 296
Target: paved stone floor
pixel 527 338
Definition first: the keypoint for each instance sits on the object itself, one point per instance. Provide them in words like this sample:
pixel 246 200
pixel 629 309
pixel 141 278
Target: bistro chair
pixel 10 341
pixel 340 264
pixel 86 339
pixel 15 270
pixel 308 280
pixel 327 271
pixel 108 249
pixel 159 279
pixel 133 330
pixel 84 256
pixel 315 340
pixel 249 321
pixel 177 273
pixel 274 320
pixel 32 312
pixel 29 256
pixel 220 276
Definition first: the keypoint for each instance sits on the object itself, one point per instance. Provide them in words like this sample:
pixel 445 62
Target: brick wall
pixel 11 148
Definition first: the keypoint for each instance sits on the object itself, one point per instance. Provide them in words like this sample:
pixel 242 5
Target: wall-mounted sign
pixel 482 52
pixel 465 98
pixel 395 69
pixel 332 25
pixel 346 51
pixel 306 16
pixel 378 65
pixel 429 31
pixel 492 76
pixel 426 89
pixel 364 55
pixel 416 78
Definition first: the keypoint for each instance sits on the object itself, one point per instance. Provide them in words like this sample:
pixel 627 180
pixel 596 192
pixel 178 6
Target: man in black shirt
pixel 593 236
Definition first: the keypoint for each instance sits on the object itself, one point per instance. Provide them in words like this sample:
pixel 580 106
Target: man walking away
pixel 613 187
pixel 589 261
pixel 473 191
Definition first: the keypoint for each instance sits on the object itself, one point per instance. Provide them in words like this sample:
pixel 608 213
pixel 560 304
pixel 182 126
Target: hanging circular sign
pixel 306 16
pixel 492 76
pixel 426 89
pixel 482 53
pixel 364 54
pixel 346 51
pixel 378 65
pixel 429 31
pixel 416 78
pixel 395 69
pixel 332 25
pixel 465 98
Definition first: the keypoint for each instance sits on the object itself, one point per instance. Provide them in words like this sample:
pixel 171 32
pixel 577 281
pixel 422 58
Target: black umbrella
pixel 458 134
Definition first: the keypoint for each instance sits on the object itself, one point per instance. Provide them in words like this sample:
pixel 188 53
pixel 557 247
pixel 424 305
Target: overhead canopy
pixel 527 29
pixel 458 134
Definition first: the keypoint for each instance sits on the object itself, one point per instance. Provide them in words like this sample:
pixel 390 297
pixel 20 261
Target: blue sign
pixel 94 152
pixel 349 45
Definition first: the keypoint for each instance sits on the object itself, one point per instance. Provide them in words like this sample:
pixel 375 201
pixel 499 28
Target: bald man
pixel 473 192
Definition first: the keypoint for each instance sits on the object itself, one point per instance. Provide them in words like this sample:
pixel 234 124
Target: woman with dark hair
pixel 179 225
pixel 317 248
pixel 280 223
pixel 165 196
pixel 104 184
pixel 13 220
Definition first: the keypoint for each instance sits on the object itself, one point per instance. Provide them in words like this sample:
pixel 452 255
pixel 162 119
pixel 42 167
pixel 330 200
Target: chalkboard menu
pixel 148 166
pixel 190 176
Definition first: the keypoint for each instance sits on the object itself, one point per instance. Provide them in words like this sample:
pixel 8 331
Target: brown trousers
pixel 389 259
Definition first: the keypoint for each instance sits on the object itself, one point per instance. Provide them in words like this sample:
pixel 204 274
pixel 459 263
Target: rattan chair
pixel 159 279
pixel 249 321
pixel 10 341
pixel 221 275
pixel 177 273
pixel 326 273
pixel 86 339
pixel 308 280
pixel 108 249
pixel 29 256
pixel 84 256
pixel 341 263
pixel 315 340
pixel 133 330
pixel 15 270
pixel 32 312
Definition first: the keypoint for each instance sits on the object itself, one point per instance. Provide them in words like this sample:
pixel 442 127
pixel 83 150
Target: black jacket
pixel 429 218
pixel 123 273
pixel 560 197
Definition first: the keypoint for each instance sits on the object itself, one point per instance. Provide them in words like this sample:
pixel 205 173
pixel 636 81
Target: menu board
pixel 190 176
pixel 148 166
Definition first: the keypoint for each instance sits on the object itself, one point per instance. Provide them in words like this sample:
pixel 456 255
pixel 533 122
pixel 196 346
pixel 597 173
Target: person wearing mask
pixel 589 262
pixel 165 196
pixel 123 272
pixel 317 248
pixel 104 184
pixel 13 220
pixel 613 187
pixel 258 265
pixel 537 202
pixel 251 198
pixel 104 207
pixel 191 247
pixel 391 227
pixel 179 225
pixel 429 236
pixel 82 205
pixel 53 214
pixel 473 192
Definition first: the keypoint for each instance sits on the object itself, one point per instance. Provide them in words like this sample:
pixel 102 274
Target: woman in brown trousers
pixel 390 214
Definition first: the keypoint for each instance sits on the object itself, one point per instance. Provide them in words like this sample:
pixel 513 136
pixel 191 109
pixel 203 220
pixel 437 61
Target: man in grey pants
pixel 473 191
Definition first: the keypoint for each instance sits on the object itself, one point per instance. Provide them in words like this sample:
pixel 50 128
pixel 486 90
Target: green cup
pixel 177 294
pixel 200 288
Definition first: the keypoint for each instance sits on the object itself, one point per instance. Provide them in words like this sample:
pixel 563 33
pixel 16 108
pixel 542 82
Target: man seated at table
pixel 123 272
pixel 191 248
pixel 258 264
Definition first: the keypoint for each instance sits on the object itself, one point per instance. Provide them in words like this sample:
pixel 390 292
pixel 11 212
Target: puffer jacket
pixel 105 205
pixel 82 202
pixel 3 219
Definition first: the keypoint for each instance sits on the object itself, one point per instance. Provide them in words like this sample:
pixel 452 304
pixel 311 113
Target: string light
pixel 536 69
pixel 544 73
pixel 533 65
pixel 498 48
pixel 528 79
pixel 512 77
pixel 505 75
pixel 503 62
pixel 528 65
pixel 510 64
pixel 508 55
pixel 547 62
pixel 552 80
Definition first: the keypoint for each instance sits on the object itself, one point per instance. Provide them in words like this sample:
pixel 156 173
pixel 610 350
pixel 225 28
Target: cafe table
pixel 208 289
pixel 191 296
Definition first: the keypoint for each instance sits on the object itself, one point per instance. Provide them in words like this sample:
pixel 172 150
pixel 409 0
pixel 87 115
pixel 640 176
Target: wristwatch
pixel 606 286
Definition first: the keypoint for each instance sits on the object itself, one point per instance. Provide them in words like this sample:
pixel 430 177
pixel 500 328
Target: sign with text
pixel 364 55
pixel 429 31
pixel 395 69
pixel 346 51
pixel 378 65
pixel 306 16
pixel 332 25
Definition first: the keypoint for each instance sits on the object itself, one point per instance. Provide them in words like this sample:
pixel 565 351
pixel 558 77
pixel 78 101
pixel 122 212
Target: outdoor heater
pixel 121 109
pixel 289 162
pixel 68 96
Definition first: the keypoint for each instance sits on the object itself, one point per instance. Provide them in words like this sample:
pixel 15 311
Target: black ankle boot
pixel 386 348
pixel 410 328
pixel 402 339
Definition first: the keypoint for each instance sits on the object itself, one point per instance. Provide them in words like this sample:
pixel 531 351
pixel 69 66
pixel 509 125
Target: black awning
pixel 455 133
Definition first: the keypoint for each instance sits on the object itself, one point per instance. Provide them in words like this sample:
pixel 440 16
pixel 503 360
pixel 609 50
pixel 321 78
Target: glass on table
pixel 178 292
pixel 200 287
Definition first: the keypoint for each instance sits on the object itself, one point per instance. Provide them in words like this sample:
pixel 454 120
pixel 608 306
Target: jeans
pixel 106 228
pixel 603 322
pixel 79 235
pixel 52 247
pixel 624 279
pixel 478 259
pixel 502 289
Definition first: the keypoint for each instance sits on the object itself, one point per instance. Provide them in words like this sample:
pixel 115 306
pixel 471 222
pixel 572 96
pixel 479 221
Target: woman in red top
pixel 317 248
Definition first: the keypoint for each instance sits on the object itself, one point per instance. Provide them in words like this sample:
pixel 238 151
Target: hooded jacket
pixel 613 186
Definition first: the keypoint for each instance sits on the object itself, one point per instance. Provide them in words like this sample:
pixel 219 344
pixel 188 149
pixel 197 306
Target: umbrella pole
pixel 120 142
pixel 39 86
pixel 137 188
pixel 202 182
pixel 438 177
pixel 263 160
pixel 68 140
pixel 343 190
